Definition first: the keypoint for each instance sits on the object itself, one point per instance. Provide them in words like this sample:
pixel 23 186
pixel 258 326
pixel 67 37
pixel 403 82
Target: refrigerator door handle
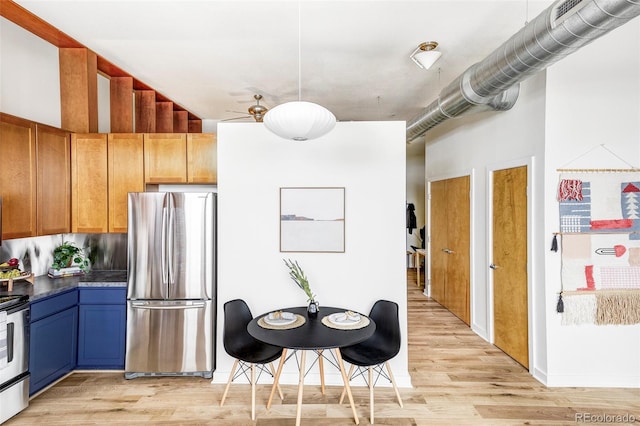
pixel 189 305
pixel 170 239
pixel 163 260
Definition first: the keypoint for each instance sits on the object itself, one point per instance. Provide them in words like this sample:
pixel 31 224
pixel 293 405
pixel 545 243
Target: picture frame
pixel 312 219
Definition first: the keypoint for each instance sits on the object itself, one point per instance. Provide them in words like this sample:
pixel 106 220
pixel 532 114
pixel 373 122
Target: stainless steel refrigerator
pixel 171 284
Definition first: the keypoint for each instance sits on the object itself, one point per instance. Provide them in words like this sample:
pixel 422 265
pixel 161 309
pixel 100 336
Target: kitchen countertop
pixel 44 285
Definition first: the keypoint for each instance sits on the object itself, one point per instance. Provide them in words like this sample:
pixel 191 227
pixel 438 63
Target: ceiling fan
pixel 256 111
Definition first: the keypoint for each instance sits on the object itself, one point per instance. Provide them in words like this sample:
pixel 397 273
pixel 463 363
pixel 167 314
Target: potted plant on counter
pixel 68 259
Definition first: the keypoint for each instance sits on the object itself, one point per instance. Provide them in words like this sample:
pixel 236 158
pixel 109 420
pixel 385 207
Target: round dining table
pixel 315 334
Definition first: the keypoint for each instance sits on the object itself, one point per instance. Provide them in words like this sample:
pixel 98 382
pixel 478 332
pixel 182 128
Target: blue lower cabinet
pixel 101 329
pixel 53 340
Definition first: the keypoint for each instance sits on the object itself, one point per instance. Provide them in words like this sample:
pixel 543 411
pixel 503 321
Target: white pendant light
pixel 299 120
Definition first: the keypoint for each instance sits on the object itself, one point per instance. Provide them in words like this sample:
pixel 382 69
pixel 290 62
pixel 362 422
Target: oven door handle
pixel 10 328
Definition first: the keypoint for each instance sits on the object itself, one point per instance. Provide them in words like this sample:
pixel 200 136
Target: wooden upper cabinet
pixel 202 158
pixel 18 177
pixel 126 174
pixel 89 193
pixel 165 157
pixel 53 180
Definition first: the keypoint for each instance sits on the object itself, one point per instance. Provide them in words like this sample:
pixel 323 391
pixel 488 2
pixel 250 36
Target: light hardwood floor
pixel 458 379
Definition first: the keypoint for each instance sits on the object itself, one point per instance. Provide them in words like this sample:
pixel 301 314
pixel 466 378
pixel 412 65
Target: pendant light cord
pixel 299 54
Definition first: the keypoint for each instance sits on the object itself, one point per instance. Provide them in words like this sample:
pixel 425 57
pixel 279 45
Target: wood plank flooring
pixel 458 379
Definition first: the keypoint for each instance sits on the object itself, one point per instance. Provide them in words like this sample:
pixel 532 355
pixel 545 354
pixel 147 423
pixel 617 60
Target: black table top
pixel 312 334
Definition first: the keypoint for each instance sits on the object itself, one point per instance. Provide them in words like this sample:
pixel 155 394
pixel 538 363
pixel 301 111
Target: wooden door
pixel 89 196
pixel 458 239
pixel 126 174
pixel 18 177
pixel 450 240
pixel 439 242
pixel 510 302
pixel 54 180
pixel 202 158
pixel 165 157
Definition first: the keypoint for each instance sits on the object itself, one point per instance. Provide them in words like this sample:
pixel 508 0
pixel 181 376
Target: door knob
pixel 446 250
pixel 493 266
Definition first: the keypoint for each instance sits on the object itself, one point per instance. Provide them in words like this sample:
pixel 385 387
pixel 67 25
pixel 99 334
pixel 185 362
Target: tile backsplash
pixel 105 251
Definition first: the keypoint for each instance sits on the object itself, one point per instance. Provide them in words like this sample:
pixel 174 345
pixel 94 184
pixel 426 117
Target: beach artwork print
pixel 312 220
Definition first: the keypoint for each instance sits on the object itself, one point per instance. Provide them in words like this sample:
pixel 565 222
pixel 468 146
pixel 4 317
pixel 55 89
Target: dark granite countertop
pixel 103 279
pixel 44 286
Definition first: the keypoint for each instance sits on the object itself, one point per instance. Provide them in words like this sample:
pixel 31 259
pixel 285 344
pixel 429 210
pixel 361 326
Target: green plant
pixel 297 275
pixel 68 254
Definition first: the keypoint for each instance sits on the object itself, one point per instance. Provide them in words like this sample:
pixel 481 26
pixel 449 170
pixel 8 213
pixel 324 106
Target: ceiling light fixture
pixel 425 54
pixel 299 120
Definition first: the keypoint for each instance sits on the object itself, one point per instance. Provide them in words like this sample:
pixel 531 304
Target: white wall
pixel 29 75
pixel 104 104
pixel 368 159
pixel 593 98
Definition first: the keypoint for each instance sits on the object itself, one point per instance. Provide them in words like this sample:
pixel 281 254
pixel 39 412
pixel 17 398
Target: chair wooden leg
pixel 253 391
pixel 273 372
pixel 393 382
pixel 371 393
pixel 344 389
pixel 276 379
pixel 226 389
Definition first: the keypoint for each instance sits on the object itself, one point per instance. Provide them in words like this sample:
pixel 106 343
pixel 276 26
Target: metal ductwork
pixel 493 83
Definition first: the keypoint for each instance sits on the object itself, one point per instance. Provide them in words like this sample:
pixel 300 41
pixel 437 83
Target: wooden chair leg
pixel 273 372
pixel 393 382
pixel 226 389
pixel 344 389
pixel 253 391
pixel 371 393
pixel 276 379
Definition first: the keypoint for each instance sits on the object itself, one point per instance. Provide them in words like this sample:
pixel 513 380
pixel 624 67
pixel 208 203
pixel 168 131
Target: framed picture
pixel 312 220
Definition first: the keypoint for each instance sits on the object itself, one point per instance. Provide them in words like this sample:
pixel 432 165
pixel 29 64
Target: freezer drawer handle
pixel 194 305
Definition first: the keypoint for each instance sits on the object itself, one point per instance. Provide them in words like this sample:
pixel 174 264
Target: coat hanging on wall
pixel 411 217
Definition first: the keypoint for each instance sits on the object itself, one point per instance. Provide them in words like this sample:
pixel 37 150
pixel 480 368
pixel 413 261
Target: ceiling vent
pixel 564 10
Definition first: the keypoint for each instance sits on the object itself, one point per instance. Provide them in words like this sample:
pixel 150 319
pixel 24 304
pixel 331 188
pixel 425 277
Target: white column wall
pixel 368 160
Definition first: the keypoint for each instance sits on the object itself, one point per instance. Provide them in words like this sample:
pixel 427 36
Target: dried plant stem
pixel 297 275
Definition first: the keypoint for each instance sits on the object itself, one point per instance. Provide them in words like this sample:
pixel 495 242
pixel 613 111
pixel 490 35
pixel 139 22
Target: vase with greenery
pixel 297 276
pixel 67 255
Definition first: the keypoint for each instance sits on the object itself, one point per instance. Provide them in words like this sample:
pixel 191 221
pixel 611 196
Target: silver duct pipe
pixel 492 83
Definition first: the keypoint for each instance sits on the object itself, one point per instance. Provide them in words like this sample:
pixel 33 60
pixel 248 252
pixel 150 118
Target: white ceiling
pixel 212 56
